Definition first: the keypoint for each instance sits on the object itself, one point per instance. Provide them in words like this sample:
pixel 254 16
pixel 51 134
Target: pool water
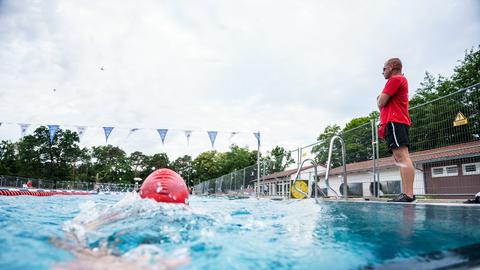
pixel 123 231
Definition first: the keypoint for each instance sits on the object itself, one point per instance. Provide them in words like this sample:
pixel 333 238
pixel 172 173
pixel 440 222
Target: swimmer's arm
pixel 382 100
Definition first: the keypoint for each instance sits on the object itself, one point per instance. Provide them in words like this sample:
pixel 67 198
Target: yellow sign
pixel 460 120
pixel 303 186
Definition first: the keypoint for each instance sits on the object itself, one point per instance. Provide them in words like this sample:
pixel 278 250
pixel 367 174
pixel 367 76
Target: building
pixel 279 183
pixel 449 171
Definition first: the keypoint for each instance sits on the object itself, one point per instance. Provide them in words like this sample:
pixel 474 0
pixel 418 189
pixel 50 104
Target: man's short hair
pixel 395 63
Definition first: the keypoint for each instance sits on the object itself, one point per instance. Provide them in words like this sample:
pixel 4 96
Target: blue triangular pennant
pixel 52 129
pixel 257 135
pixel 212 135
pixel 163 133
pixel 107 131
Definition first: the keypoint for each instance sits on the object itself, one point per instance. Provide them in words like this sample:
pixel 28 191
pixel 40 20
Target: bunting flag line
pixel 212 135
pixel 52 129
pixel 188 133
pixel 80 131
pixel 257 135
pixel 133 130
pixel 163 133
pixel 23 128
pixel 107 131
pixel 232 134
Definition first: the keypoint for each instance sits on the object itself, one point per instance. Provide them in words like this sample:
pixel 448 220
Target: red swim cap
pixel 165 185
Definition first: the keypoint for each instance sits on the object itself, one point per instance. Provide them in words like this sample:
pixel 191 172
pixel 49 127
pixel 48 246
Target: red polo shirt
pixel 396 109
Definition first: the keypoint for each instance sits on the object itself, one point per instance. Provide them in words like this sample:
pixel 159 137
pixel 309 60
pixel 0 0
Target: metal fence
pixel 18 182
pixel 444 146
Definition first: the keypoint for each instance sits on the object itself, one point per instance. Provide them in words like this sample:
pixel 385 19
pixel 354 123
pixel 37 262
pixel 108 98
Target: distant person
pixel 394 124
pixel 29 184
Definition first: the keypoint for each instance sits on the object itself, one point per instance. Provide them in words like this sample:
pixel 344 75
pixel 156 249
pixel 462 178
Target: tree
pixel 8 158
pixel 432 121
pixel 111 164
pixel 357 136
pixel 157 161
pixel 31 155
pixel 67 153
pixel 206 166
pixel 235 159
pixel 84 165
pixel 468 72
pixel 183 166
pixel 324 142
pixel 138 163
pixel 278 159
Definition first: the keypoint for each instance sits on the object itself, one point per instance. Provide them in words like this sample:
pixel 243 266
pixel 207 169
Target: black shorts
pixel 396 135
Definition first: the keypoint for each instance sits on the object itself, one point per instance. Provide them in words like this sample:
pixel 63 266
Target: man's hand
pixel 382 100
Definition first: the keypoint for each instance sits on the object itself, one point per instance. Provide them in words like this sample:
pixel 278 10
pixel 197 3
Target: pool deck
pixel 420 201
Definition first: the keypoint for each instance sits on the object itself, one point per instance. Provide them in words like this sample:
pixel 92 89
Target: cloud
pixel 286 68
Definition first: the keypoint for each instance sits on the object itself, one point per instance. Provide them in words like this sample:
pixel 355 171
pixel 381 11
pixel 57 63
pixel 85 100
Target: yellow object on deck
pixel 303 186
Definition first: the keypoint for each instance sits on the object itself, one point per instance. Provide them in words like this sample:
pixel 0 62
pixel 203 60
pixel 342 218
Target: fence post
pixel 244 178
pixel 377 171
pixel 375 192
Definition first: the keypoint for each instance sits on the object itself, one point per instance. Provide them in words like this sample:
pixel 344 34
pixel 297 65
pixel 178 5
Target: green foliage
pixel 206 166
pixel 8 158
pixel 183 166
pixel 464 75
pixel 432 123
pixel 111 164
pixel 278 159
pixel 157 161
pixel 138 162
pixel 468 72
pixel 236 159
pixel 321 149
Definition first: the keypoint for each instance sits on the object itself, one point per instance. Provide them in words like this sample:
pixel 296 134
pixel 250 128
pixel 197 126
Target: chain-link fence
pixel 19 182
pixel 444 147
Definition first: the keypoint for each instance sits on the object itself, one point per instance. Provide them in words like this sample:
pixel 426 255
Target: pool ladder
pixel 327 172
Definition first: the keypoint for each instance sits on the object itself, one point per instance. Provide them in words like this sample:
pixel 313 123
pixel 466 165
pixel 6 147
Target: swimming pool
pixel 217 233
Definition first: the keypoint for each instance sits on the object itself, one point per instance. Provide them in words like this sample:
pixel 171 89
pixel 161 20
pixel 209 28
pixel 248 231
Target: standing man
pixel 394 123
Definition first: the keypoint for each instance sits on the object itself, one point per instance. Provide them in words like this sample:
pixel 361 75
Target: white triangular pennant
pixel 232 134
pixel 81 131
pixel 188 133
pixel 23 128
pixel 133 130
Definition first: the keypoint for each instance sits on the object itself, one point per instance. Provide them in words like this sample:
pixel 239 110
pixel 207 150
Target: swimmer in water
pixel 103 257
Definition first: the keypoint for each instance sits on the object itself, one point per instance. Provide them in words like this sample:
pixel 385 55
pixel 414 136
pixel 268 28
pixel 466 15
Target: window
pixel 445 171
pixel 471 168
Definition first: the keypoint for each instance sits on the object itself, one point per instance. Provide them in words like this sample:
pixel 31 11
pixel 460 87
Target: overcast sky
pixel 286 68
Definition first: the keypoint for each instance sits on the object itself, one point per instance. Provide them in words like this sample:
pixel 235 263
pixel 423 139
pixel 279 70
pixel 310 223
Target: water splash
pixel 136 230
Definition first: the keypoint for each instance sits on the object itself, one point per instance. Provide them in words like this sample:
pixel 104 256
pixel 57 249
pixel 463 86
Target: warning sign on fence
pixel 460 120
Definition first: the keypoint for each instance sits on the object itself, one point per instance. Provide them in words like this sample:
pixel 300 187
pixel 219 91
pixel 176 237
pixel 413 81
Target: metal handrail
pixel 327 172
pixel 298 174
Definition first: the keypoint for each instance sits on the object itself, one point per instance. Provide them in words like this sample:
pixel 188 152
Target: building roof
pixel 286 173
pixel 438 154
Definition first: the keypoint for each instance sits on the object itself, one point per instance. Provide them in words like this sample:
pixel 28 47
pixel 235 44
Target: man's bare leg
pixel 407 171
